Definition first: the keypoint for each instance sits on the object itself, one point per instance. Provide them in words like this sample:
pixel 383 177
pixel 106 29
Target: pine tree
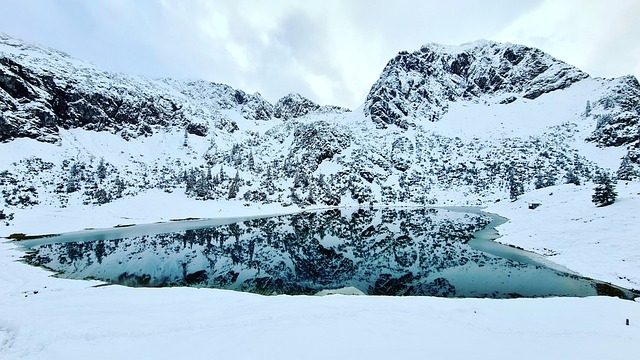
pixel 587 109
pixel 72 184
pixel 251 162
pixel 6 218
pixel 221 176
pixel 120 186
pixel 572 178
pixel 101 197
pixel 234 187
pixel 102 170
pixel 516 188
pixel 294 196
pixel 185 143
pixel 626 170
pixel 549 179
pixel 540 182
pixel 190 182
pixel 605 193
pixel 202 186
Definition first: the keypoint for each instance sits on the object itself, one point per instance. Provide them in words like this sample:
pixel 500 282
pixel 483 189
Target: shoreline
pixel 518 231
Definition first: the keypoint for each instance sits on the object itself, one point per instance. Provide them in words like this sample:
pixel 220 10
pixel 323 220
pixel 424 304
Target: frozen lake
pixel 389 251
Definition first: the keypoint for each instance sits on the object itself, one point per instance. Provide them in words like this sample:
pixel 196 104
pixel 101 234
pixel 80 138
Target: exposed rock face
pixel 44 90
pixel 295 105
pixel 315 143
pixel 419 86
pixel 618 114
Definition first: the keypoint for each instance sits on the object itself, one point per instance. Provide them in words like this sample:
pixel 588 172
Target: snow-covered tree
pixel 221 176
pixel 572 178
pixel 101 171
pixel 234 187
pixel 605 193
pixel 101 197
pixel 72 184
pixel 6 218
pixel 626 170
pixel 251 161
pixel 516 188
pixel 587 109
pixel 545 180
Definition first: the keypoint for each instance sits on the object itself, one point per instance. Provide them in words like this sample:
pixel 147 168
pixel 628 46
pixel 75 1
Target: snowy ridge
pixel 44 90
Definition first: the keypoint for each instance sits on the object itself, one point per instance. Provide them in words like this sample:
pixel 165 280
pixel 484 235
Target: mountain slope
pixel 444 125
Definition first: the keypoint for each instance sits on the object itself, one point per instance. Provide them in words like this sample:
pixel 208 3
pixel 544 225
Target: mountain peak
pixel 421 84
pixel 294 105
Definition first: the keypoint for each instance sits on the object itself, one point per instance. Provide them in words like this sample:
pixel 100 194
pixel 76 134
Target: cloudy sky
pixel 330 51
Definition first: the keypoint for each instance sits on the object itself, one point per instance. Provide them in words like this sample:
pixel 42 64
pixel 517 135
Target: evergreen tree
pixel 185 143
pixel 102 169
pixel 236 155
pixel 546 180
pixel 72 185
pixel 101 197
pixel 605 193
pixel 626 170
pixel 202 186
pixel 549 179
pixel 516 188
pixel 234 187
pixel 221 175
pixel 190 181
pixel 251 162
pixel 6 218
pixel 572 178
pixel 310 198
pixel 294 196
pixel 587 109
pixel 540 182
pixel 120 186
pixel 300 179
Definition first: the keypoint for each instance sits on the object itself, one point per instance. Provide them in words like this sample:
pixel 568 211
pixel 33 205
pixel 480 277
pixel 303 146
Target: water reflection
pixel 380 252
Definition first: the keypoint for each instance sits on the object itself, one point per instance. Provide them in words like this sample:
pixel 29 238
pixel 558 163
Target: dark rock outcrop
pixel 420 85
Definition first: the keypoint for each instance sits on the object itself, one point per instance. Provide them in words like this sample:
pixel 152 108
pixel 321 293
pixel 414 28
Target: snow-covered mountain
pixel 465 124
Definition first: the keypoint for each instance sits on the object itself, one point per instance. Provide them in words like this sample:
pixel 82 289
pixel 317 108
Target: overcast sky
pixel 329 51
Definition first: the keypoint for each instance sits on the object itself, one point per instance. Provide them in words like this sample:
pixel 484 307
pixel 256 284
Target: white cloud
pixel 330 51
pixel 600 37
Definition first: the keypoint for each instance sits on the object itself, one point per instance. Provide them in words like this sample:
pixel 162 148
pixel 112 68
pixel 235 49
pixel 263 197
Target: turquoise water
pixel 390 251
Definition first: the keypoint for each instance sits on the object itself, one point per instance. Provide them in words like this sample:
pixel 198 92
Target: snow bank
pixel 567 228
pixel 148 207
pixel 49 318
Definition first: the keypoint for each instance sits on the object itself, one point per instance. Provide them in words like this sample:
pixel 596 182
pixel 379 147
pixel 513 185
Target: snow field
pixel 597 242
pixel 51 318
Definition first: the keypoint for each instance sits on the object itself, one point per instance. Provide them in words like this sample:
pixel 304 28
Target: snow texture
pixel 82 147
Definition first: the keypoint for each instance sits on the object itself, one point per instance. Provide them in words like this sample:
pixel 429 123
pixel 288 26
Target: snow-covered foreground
pixel 43 317
pixel 601 243
pixel 50 318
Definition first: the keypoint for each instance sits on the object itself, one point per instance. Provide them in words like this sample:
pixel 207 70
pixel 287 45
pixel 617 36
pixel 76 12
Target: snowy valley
pixel 485 124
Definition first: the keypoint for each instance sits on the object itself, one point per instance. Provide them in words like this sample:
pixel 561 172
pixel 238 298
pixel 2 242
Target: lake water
pixel 389 251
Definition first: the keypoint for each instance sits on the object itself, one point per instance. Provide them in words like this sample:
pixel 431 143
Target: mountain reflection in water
pixel 387 251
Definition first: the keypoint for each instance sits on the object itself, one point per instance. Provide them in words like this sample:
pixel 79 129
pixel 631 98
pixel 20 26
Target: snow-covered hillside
pixel 445 125
pixel 598 242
